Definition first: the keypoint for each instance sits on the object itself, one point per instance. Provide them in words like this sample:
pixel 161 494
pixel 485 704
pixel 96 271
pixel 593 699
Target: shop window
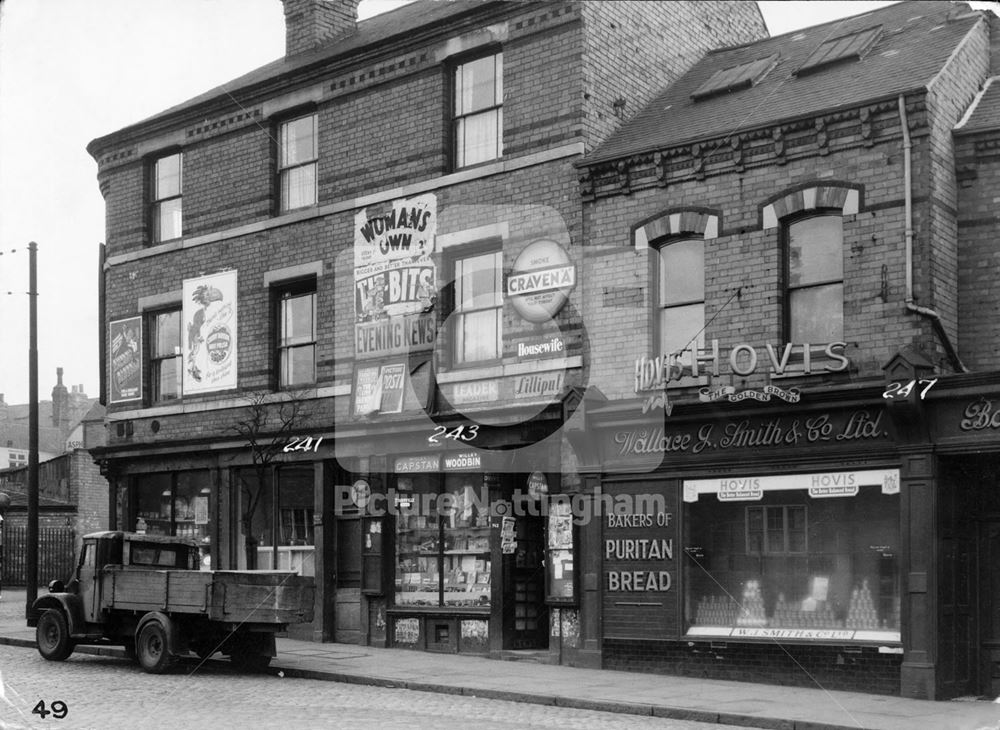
pixel 296 336
pixel 177 504
pixel 815 262
pixel 795 566
pixel 276 509
pixel 442 541
pixel 166 209
pixel 478 319
pixel 165 364
pixel 297 162
pixel 478 110
pixel 681 306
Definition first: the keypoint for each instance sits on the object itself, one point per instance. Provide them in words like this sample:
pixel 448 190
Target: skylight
pixel 851 47
pixel 735 78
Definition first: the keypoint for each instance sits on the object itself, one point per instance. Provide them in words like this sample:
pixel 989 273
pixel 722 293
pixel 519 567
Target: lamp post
pixel 31 572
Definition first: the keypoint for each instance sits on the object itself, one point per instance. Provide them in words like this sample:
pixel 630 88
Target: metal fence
pixel 55 554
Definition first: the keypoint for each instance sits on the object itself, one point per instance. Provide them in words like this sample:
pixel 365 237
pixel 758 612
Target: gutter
pixel 911 305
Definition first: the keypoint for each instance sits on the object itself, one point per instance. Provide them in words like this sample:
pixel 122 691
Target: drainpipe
pixel 911 306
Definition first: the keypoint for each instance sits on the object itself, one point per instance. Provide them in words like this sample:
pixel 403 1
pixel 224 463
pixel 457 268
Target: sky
pixel 73 70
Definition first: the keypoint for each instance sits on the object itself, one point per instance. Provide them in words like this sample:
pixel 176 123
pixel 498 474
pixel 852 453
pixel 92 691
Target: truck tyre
pixel 153 648
pixel 52 636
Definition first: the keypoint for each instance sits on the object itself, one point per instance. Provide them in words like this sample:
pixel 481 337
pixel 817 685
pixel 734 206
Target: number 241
pixel 897 390
pixel 303 444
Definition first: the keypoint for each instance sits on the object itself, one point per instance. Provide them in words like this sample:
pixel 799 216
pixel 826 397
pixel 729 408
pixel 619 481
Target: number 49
pixel 59 709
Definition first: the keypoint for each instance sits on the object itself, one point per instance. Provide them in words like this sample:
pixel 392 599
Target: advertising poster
pixel 125 342
pixel 367 390
pixel 393 382
pixel 208 333
pixel 395 279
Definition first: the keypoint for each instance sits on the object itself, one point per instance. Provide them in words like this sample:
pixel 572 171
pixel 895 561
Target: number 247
pixel 898 390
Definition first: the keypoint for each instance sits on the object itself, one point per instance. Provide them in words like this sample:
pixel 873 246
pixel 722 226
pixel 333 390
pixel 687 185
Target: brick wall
pixel 744 265
pixel 978 164
pixel 624 43
pixel 382 124
pixel 859 669
pixel 936 247
pixel 91 494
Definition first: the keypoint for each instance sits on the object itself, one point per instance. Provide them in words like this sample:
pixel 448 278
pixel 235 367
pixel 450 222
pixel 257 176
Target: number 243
pixel 463 433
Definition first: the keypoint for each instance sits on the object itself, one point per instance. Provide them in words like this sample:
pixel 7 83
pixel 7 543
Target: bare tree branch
pixel 267 427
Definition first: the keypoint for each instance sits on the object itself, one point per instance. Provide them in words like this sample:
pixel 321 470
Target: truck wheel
pixel 52 636
pixel 153 649
pixel 251 661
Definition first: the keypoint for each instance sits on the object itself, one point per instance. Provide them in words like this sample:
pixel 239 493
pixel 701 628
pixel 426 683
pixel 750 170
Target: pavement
pixel 734 703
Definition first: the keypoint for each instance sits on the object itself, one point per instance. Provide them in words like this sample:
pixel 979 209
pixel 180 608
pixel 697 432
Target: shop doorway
pixel 529 625
pixel 989 624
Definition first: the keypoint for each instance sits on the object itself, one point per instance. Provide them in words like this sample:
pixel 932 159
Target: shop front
pixel 761 544
pixel 454 536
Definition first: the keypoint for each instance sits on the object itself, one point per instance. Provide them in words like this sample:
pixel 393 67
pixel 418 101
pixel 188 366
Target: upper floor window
pixel 166 204
pixel 815 279
pixel 299 150
pixel 297 335
pixel 479 110
pixel 166 368
pixel 682 297
pixel 478 320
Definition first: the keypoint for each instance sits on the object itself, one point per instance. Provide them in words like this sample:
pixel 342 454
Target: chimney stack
pixel 311 22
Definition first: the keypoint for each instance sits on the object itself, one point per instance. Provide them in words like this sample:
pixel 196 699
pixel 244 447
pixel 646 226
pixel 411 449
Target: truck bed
pixel 259 597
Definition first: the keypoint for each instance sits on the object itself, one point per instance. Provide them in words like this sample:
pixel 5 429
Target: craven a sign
pixel 540 281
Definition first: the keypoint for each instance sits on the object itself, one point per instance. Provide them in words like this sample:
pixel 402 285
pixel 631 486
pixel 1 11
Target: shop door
pixel 347 607
pixel 989 641
pixel 529 628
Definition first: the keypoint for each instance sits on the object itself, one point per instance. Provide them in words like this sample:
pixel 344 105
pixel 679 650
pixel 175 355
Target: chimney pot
pixel 311 22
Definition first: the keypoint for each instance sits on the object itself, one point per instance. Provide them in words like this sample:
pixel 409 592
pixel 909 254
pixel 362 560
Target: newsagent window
pixel 442 541
pixel 793 565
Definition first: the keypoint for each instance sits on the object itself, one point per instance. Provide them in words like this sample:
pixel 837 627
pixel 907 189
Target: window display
pixel 790 565
pixel 442 542
pixel 176 504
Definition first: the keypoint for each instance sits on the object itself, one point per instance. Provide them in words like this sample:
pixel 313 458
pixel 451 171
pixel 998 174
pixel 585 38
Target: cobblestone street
pixel 103 692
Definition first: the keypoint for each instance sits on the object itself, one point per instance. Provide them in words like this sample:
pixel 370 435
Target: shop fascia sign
pixel 820 485
pixel 744 359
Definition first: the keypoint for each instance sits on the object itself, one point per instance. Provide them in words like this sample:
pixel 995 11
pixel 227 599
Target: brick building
pixel 347 278
pixel 792 322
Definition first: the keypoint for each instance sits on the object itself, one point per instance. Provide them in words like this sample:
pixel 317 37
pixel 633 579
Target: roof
pixel 915 42
pixel 379 30
pixel 984 113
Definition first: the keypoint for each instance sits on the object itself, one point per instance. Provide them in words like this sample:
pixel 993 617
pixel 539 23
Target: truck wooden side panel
pixel 146 589
pixel 259 597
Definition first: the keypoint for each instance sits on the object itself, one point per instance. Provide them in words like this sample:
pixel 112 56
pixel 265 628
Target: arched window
pixel 815 278
pixel 681 297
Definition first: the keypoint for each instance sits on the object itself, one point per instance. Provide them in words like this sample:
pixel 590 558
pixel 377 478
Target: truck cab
pixel 125 549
